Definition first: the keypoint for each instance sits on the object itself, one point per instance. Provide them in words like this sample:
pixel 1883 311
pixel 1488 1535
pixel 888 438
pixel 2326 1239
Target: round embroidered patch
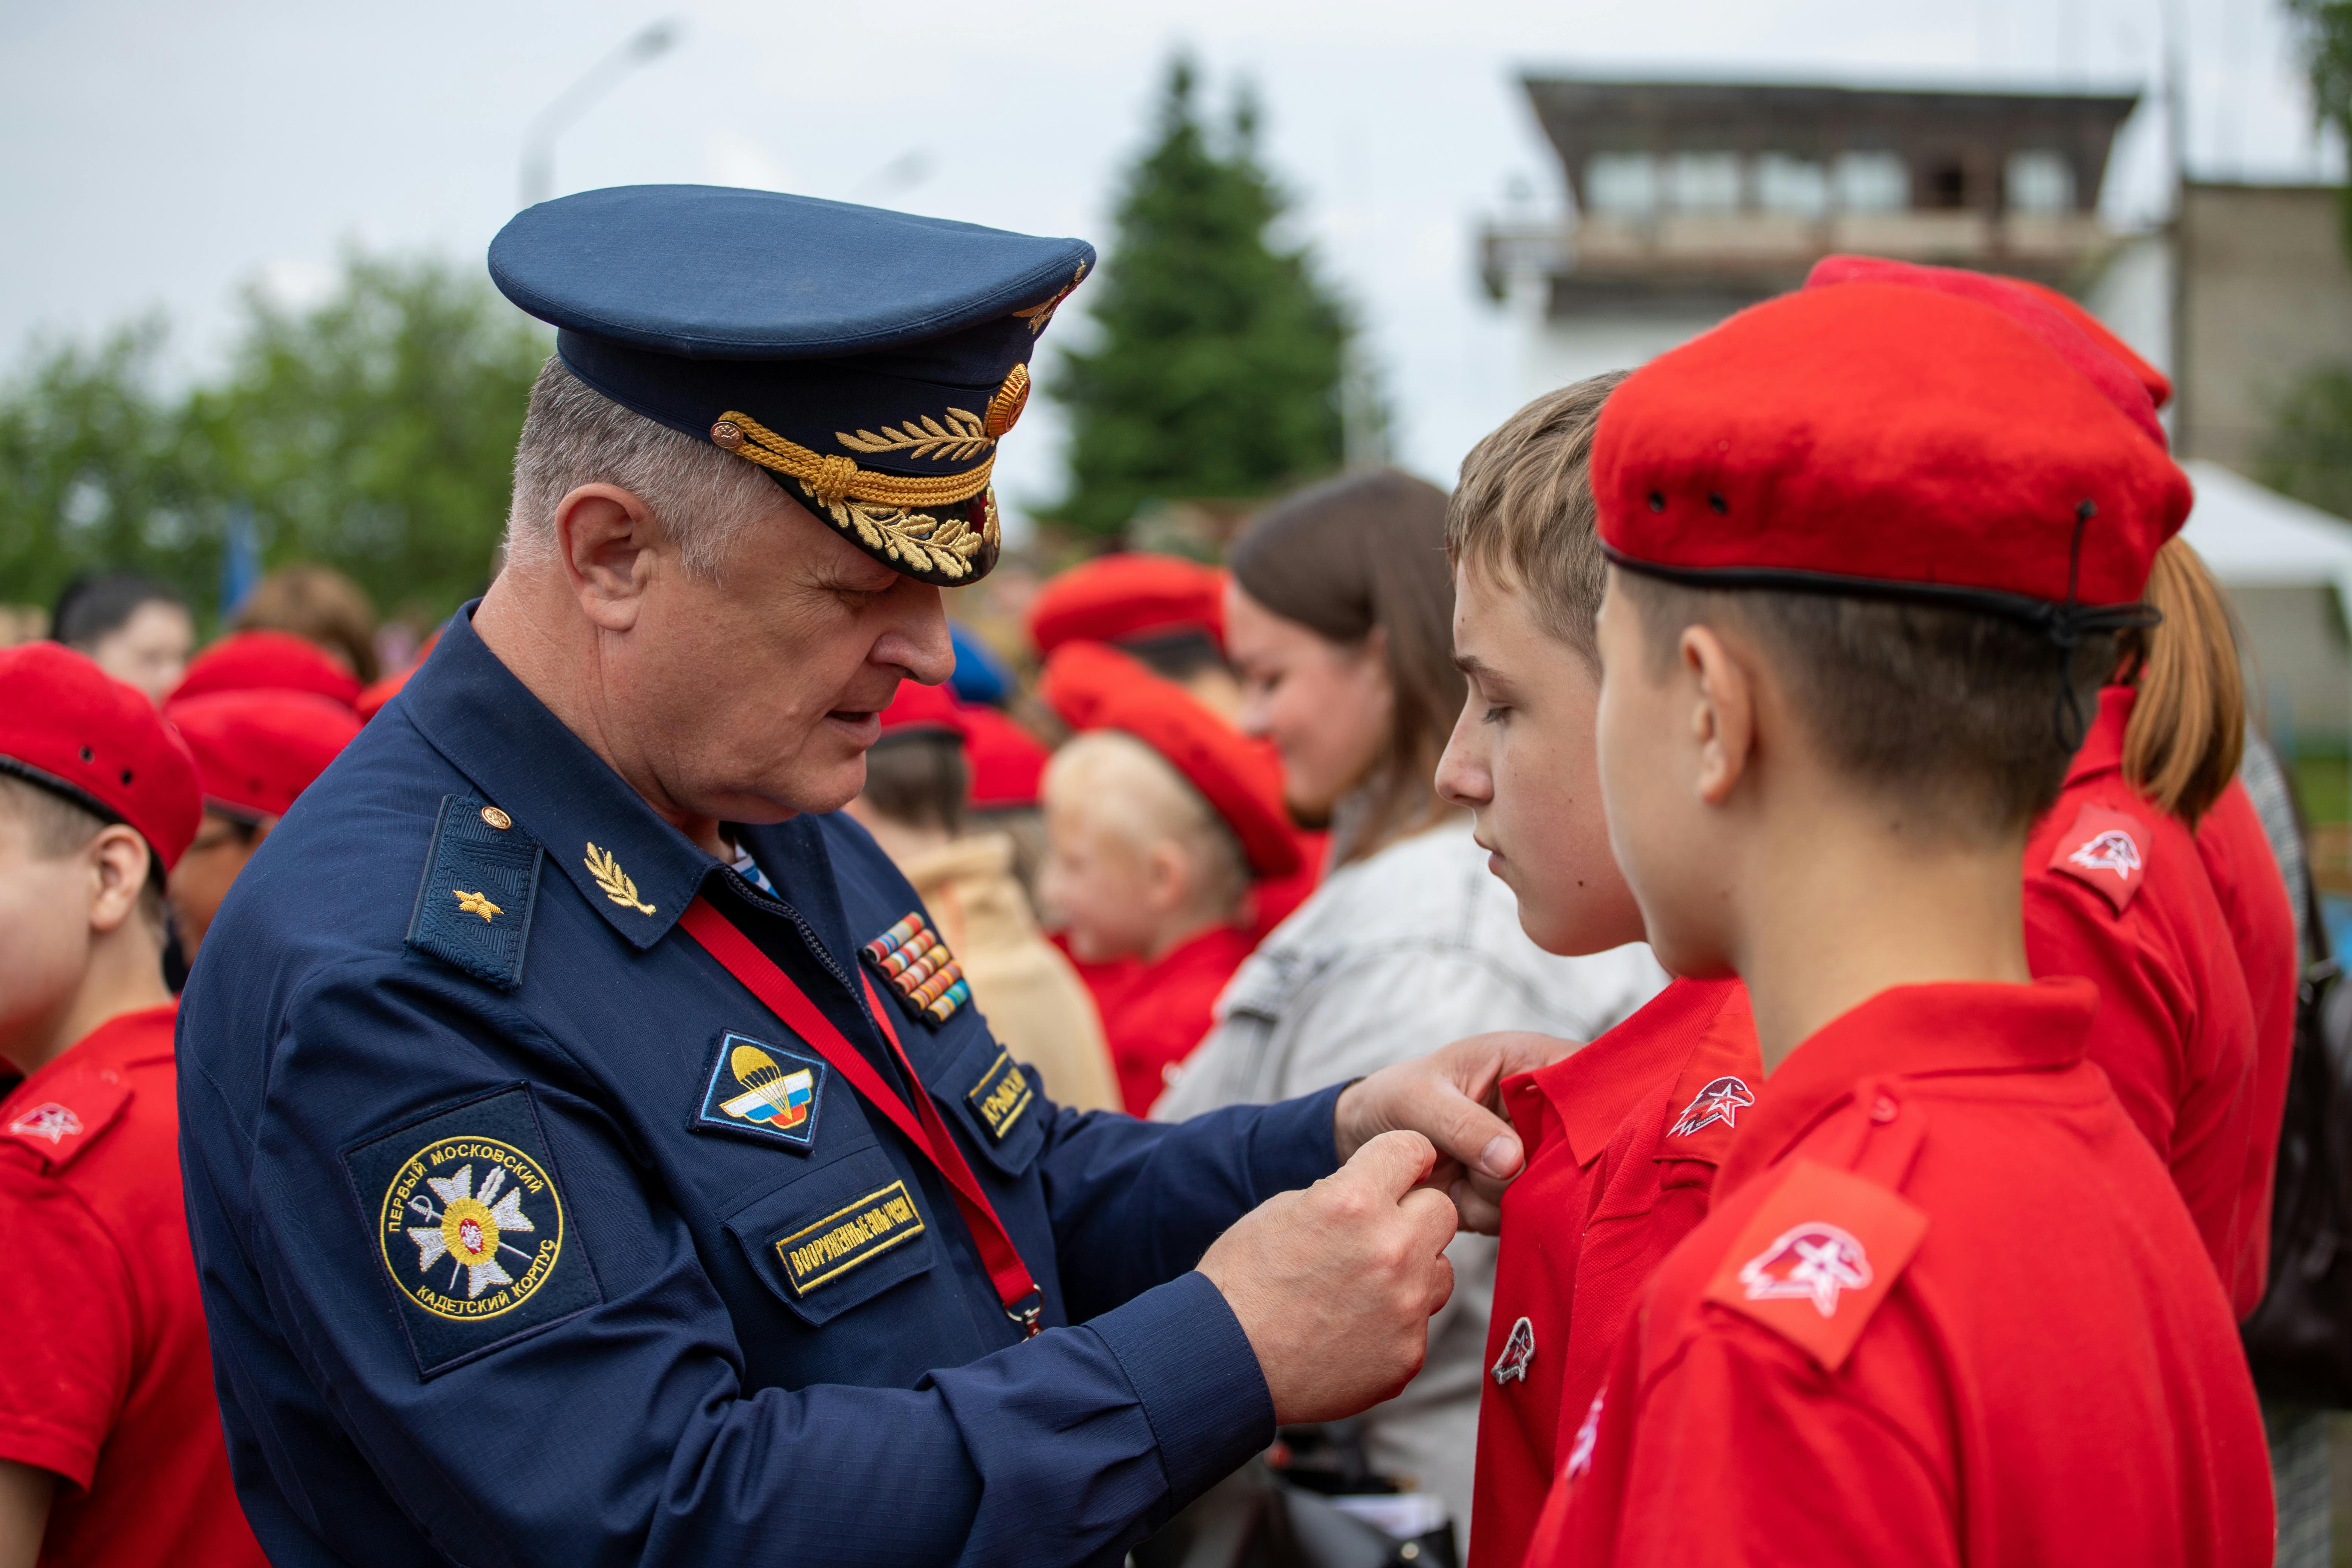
pixel 470 1229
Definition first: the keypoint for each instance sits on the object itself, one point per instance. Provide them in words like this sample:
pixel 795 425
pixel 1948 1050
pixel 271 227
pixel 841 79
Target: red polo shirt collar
pixel 1911 1032
pixel 2102 748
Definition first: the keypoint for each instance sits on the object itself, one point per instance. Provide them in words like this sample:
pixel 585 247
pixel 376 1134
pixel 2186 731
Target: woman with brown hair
pixel 1339 624
pixel 2152 878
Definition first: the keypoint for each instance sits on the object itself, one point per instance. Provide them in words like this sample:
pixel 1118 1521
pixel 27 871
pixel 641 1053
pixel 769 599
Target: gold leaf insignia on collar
pixel 963 437
pixel 616 884
pixel 476 904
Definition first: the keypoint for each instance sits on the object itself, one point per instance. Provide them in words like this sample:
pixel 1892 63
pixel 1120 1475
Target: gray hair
pixel 574 436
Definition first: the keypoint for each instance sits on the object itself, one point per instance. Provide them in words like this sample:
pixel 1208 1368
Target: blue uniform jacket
pixel 527 1235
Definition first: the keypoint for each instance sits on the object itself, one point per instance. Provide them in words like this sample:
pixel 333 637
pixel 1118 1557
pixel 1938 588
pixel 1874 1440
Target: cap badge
pixel 1813 1262
pixel 53 1122
pixel 1038 315
pixel 616 884
pixel 476 904
pixel 1718 1101
pixel 922 974
pixel 1005 408
pixel 1517 1351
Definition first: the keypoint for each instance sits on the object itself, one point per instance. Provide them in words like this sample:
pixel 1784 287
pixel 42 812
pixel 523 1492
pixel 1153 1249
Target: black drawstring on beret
pixel 2066 625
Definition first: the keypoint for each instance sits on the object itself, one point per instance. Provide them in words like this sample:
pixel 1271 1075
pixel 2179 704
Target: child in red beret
pixel 1871 546
pixel 1623 1138
pixel 1164 611
pixel 255 751
pixel 110 1446
pixel 1159 818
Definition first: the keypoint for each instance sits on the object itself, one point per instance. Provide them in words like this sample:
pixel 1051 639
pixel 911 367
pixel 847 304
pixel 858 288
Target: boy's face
pixel 1522 759
pixel 1663 778
pixel 200 880
pixel 44 942
pixel 1097 889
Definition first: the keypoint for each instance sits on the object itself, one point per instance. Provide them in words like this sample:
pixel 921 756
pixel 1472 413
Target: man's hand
pixel 1451 1097
pixel 1334 1285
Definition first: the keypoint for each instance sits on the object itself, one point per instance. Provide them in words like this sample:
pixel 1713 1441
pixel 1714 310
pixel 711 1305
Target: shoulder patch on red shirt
pixel 61 1119
pixel 2107 850
pixel 1818 1257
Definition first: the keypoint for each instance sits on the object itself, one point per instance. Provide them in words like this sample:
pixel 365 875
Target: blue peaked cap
pixel 869 361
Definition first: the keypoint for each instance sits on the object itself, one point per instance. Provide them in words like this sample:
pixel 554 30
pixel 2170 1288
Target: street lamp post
pixel 539 141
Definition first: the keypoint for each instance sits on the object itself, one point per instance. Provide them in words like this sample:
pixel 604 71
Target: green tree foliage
pixel 1216 371
pixel 374 434
pixel 2325 26
pixel 2309 452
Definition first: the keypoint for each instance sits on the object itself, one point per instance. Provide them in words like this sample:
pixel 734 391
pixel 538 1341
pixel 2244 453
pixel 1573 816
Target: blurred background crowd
pixel 256 421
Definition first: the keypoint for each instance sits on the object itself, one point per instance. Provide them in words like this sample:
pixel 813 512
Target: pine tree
pixel 1218 367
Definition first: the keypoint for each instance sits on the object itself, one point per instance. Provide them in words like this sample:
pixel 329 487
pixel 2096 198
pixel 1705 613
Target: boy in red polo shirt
pixel 110 1446
pixel 1869 546
pixel 1622 1137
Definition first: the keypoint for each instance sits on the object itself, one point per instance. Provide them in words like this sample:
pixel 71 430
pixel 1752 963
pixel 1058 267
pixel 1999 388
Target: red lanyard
pixel 759 974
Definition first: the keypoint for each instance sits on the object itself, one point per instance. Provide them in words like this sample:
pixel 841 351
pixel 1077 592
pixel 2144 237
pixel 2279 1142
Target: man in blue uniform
pixel 593 1152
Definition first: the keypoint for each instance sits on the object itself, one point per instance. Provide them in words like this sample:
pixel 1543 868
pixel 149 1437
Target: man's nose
pixel 918 641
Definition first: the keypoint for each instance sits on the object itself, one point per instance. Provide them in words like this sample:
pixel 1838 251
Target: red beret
pixel 1118 598
pixel 1079 677
pixel 256 751
pixel 918 708
pixel 1006 762
pixel 2060 326
pixel 1239 778
pixel 1877 435
pixel 68 726
pixel 2154 381
pixel 268 661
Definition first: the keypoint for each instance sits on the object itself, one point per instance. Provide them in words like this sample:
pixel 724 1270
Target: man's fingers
pixel 1468 1132
pixel 1393 1163
pixel 1432 1216
pixel 1479 1213
pixel 1519 1050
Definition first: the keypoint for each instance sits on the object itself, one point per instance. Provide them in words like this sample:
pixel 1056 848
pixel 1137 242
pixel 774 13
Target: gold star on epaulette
pixel 476 904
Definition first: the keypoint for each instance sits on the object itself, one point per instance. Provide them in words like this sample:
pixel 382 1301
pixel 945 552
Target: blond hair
pixel 1137 796
pixel 2188 727
pixel 1524 511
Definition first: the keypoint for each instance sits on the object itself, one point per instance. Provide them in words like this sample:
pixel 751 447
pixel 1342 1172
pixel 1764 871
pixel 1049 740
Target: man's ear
pixel 609 541
pixel 1723 711
pixel 119 860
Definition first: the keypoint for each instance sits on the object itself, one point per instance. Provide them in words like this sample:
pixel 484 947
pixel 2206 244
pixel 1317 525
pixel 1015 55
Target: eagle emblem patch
pixel 1720 1100
pixel 53 1122
pixel 765 1090
pixel 1818 1257
pixel 920 970
pixel 1814 1262
pixel 472 1226
pixel 2106 850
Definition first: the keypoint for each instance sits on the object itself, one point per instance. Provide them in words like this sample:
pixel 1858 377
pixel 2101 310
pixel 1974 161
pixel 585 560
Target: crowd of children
pixel 1822 720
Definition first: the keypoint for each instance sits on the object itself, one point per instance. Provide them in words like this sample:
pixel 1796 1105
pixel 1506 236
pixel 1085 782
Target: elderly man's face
pixel 756 696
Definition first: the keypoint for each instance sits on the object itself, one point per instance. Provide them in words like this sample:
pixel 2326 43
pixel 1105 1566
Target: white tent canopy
pixel 2288 567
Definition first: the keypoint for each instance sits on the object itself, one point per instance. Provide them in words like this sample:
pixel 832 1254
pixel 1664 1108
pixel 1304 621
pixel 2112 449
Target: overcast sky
pixel 157 156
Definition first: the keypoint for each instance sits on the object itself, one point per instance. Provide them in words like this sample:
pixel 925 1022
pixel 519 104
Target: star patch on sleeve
pixel 472 1230
pixel 920 970
pixel 2106 851
pixel 1818 1257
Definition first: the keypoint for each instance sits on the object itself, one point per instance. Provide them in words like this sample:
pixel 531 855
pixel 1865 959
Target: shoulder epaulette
pixel 2106 850
pixel 481 884
pixel 70 1113
pixel 1818 1257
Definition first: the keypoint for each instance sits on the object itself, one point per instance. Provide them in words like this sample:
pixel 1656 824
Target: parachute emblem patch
pixel 762 1090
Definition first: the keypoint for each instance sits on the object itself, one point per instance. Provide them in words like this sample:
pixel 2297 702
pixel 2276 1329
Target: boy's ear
pixel 118 860
pixel 1166 875
pixel 1722 713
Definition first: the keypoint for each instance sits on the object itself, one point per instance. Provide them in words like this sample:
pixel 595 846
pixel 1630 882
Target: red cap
pixel 1079 675
pixel 1117 598
pixel 918 709
pixel 256 751
pixel 65 723
pixel 268 661
pixel 2100 357
pixel 1886 436
pixel 1006 762
pixel 1097 688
